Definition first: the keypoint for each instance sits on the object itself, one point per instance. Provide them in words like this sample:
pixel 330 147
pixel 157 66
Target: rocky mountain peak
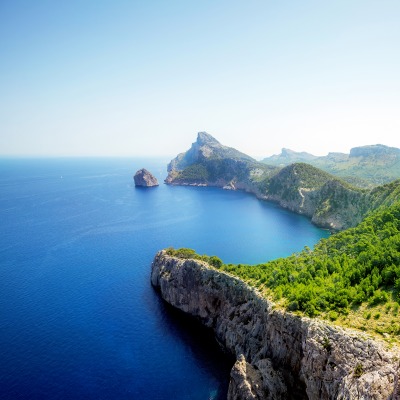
pixel 204 138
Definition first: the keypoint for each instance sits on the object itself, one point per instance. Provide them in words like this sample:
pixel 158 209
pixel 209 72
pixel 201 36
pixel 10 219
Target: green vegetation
pixel 186 253
pixel 364 167
pixel 301 173
pixel 358 371
pixel 212 170
pixel 352 278
pixel 195 173
pixel 361 264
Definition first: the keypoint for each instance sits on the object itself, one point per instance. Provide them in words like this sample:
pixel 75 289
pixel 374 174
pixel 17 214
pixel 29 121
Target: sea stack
pixel 144 178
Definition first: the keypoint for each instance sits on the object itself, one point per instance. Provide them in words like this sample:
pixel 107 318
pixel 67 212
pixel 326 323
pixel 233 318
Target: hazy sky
pixel 143 77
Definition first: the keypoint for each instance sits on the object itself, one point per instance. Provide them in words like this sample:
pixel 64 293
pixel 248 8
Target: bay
pixel 79 318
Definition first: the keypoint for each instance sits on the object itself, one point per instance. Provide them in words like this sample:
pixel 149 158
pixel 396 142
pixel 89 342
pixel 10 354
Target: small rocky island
pixel 144 178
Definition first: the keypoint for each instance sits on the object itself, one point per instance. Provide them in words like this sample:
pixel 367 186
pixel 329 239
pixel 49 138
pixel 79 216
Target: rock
pixel 145 178
pixel 246 382
pixel 280 355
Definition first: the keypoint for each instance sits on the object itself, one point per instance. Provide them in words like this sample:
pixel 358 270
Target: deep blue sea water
pixel 78 316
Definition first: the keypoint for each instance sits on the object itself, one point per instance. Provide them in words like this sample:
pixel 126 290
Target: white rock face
pixel 279 355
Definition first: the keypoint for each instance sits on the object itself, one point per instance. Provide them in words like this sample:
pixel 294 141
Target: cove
pixel 79 316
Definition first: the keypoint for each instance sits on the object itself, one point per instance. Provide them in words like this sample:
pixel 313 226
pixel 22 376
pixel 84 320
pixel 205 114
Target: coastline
pixel 278 354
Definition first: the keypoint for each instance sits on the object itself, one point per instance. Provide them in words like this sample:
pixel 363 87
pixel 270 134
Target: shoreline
pixel 278 353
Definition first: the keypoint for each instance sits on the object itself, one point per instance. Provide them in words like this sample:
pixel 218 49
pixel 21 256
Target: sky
pixel 141 78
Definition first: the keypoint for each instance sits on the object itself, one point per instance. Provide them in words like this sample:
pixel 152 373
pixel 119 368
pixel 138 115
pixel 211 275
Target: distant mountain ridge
pixel 364 166
pixel 328 200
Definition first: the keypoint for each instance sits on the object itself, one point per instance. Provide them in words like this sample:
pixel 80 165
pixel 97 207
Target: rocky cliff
pixel 204 148
pixel 279 355
pixel 209 163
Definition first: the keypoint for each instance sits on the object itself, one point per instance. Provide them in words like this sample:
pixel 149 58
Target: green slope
pixel 365 166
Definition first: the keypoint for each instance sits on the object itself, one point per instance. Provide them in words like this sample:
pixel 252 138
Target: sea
pixel 79 318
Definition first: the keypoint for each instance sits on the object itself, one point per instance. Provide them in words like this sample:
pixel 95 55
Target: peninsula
pixel 329 201
pixel 320 324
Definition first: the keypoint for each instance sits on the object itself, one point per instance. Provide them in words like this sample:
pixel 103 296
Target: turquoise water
pixel 79 318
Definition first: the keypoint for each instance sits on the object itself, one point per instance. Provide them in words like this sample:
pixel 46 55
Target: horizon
pixel 171 156
pixel 124 79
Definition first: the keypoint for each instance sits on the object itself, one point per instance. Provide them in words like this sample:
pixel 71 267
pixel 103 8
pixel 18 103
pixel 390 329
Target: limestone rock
pixel 145 178
pixel 246 382
pixel 280 355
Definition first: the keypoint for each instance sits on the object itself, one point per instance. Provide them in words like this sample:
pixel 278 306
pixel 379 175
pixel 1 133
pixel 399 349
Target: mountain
pixel 209 163
pixel 328 200
pixel 365 166
pixel 287 157
pixel 206 147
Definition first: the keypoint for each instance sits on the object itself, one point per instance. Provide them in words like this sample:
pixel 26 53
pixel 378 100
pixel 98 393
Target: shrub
pixel 326 344
pixel 358 371
pixel 215 261
pixel 333 315
pixel 293 306
pixel 378 297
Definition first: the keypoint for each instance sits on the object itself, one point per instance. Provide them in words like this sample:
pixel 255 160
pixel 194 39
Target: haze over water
pixel 79 318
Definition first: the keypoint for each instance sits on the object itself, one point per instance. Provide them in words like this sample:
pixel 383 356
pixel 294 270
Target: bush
pixel 190 253
pixel 215 261
pixel 333 315
pixel 378 297
pixel 293 306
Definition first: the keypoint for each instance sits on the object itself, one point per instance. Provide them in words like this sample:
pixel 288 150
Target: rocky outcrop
pixel 279 355
pixel 204 148
pixel 210 163
pixel 144 178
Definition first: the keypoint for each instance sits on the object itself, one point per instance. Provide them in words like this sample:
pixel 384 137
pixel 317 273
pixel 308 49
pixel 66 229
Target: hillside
pixel 329 201
pixel 365 166
pixel 354 272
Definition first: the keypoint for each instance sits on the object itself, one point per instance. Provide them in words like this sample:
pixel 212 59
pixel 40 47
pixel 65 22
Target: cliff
pixel 209 163
pixel 206 147
pixel 279 355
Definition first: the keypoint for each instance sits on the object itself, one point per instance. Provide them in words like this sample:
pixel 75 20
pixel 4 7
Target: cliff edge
pixel 279 355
